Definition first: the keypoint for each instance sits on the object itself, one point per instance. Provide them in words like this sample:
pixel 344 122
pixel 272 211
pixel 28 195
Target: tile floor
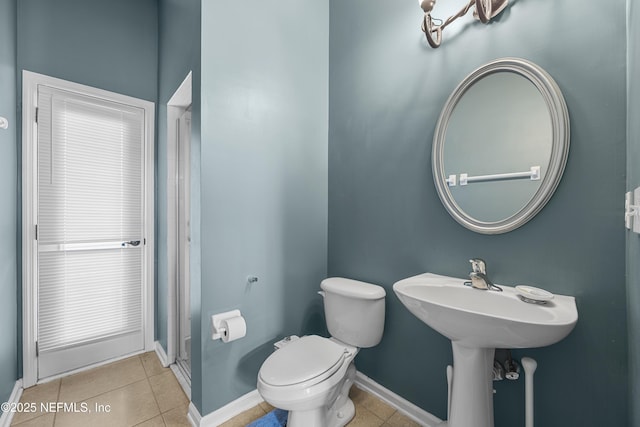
pixel 370 412
pixel 136 391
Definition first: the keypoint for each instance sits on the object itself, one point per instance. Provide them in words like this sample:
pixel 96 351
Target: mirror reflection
pixel 501 125
pixel 500 146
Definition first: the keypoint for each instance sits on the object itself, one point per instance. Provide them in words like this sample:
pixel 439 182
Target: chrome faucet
pixel 478 265
pixel 478 276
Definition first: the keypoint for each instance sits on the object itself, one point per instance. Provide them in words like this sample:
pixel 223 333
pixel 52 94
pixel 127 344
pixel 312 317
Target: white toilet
pixel 311 376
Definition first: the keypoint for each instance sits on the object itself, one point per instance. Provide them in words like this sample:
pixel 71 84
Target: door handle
pixel 131 243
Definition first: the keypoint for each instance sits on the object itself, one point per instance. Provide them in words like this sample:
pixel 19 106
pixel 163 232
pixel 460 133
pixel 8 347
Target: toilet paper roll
pixel 233 328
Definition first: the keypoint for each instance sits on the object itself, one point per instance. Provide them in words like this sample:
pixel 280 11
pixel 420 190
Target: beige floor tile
pixel 245 418
pixel 42 421
pixel 127 406
pixel 400 420
pixel 365 418
pixel 372 403
pixel 152 365
pixel 153 422
pixel 141 393
pixel 167 391
pixel 85 385
pixel 34 396
pixel 177 417
pixel 266 407
pixel 357 395
pixel 376 413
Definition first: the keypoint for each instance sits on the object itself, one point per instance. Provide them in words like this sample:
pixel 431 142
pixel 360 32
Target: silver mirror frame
pixel 559 150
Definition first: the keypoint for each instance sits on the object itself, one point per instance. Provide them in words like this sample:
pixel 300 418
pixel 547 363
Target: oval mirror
pixel 500 146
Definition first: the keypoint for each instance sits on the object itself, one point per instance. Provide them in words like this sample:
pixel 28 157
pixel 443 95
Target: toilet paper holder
pixel 216 323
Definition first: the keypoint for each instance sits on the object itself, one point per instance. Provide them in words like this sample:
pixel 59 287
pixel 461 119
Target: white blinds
pixel 90 203
pixel 87 296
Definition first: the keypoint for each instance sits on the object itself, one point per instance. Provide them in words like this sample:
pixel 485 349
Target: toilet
pixel 311 376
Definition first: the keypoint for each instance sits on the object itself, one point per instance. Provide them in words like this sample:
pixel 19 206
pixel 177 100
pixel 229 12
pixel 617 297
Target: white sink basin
pixel 477 322
pixel 486 319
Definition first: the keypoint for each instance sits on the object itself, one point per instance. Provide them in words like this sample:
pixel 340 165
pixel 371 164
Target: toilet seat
pixel 309 358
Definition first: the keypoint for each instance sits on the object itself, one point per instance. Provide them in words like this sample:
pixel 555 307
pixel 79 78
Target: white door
pixel 90 246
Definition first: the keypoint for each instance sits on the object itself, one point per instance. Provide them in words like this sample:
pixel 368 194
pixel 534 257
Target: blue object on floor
pixel 275 418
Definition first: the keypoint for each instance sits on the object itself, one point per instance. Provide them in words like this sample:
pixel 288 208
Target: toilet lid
pixel 302 360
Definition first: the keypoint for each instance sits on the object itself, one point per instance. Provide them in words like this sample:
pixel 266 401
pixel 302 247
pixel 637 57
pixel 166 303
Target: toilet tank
pixel 354 311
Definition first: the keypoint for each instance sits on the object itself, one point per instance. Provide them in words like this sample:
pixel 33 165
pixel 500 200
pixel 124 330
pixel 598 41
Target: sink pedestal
pixel 472 388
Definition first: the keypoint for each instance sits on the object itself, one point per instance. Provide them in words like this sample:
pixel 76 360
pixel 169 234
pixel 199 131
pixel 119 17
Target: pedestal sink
pixel 477 322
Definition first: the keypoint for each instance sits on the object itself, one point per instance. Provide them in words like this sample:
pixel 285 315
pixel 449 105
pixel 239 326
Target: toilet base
pixel 320 417
pixel 312 418
pixel 346 413
pixel 342 409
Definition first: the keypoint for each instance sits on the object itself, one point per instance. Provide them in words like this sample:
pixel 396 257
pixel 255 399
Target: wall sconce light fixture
pixel 484 11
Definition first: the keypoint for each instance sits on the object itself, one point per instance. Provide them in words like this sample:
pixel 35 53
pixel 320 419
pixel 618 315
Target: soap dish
pixel 533 295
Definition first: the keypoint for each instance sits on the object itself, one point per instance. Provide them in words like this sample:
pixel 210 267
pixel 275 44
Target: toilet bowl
pixel 311 377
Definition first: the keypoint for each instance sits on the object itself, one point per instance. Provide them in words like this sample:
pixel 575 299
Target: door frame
pixel 30 82
pixel 183 278
pixel 179 102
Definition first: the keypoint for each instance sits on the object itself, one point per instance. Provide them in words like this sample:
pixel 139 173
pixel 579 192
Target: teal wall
pixel 633 181
pixel 264 180
pixel 387 88
pixel 111 45
pixel 179 53
pixel 8 194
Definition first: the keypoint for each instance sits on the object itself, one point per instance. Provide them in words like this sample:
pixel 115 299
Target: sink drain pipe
pixel 529 366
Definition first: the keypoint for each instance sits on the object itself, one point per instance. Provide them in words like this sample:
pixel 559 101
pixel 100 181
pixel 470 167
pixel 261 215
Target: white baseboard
pixel 162 355
pixel 182 380
pixel 14 398
pixel 164 361
pixel 228 411
pixel 363 382
pixel 412 411
pixel 194 416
